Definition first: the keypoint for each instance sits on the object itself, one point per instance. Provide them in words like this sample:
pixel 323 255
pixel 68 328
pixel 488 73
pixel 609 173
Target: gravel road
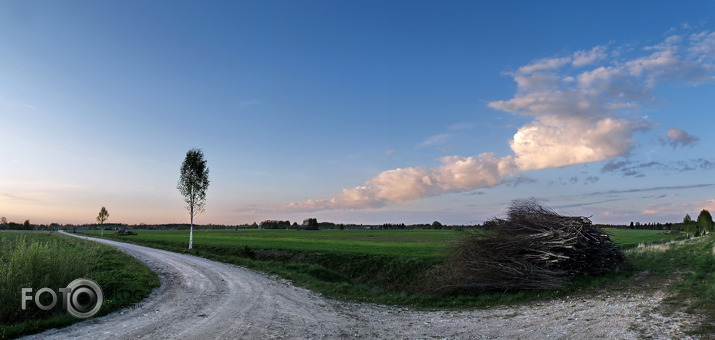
pixel 204 299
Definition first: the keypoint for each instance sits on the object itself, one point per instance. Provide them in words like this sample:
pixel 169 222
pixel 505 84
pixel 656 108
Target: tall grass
pixel 29 263
pixel 658 247
pixel 38 259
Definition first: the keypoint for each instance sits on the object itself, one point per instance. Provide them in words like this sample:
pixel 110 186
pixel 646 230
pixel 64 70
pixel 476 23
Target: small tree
pixel 3 222
pixel 193 183
pixel 103 216
pixel 436 225
pixel 689 226
pixel 26 225
pixel 705 222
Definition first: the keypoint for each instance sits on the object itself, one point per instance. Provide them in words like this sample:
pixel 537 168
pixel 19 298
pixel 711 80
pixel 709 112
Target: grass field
pixel 632 237
pixel 46 259
pixel 402 243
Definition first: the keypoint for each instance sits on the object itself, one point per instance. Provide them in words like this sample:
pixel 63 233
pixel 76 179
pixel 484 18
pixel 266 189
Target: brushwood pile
pixel 533 248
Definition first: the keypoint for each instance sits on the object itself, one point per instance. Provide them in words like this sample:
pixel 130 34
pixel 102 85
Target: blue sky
pixel 356 111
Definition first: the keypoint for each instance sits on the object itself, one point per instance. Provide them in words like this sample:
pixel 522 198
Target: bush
pixel 245 251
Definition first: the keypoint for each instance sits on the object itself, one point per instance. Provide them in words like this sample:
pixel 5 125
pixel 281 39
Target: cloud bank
pixel 582 107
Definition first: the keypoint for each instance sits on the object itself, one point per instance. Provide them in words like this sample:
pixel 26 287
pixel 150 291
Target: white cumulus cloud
pixel 557 142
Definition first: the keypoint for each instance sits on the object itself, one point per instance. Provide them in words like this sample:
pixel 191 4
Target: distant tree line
pixel 20 226
pixel 273 224
pixel 308 224
pixel 649 226
pixel 701 226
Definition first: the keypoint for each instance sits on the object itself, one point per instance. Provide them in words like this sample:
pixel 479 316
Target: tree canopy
pixel 103 215
pixel 705 221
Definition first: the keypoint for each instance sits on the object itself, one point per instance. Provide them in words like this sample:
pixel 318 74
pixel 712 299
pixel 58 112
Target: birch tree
pixel 103 216
pixel 193 183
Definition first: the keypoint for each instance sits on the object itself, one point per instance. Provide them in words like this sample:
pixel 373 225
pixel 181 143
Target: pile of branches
pixel 533 248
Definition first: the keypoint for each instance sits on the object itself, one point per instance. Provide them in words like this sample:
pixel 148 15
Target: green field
pixel 632 237
pixel 402 243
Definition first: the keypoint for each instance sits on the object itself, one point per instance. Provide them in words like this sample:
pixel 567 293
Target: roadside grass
pixel 692 263
pixel 47 259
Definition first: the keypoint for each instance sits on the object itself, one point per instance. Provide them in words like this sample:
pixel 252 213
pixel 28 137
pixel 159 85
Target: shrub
pixel 245 251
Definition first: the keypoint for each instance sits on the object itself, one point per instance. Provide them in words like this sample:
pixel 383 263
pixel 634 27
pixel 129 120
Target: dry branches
pixel 534 248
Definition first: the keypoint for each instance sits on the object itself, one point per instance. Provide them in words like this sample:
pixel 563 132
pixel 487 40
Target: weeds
pixel 37 260
pixel 658 247
pixel 37 264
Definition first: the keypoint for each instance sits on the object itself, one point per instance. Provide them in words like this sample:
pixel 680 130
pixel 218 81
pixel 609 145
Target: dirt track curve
pixel 204 299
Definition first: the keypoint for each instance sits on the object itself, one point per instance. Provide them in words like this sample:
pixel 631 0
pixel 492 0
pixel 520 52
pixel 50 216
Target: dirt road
pixel 203 299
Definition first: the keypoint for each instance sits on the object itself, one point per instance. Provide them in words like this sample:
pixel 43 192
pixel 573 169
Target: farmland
pixel 398 243
pixel 632 237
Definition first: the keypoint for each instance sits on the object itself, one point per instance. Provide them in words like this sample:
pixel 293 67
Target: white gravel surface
pixel 204 299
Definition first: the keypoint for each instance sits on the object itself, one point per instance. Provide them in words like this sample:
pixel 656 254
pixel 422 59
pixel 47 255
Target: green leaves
pixel 103 215
pixel 194 180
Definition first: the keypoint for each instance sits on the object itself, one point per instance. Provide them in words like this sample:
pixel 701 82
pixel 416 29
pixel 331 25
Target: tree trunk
pixel 191 232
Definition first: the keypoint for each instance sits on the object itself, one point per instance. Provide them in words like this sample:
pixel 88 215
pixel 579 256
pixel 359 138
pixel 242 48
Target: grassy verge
pixel 691 264
pixel 43 259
